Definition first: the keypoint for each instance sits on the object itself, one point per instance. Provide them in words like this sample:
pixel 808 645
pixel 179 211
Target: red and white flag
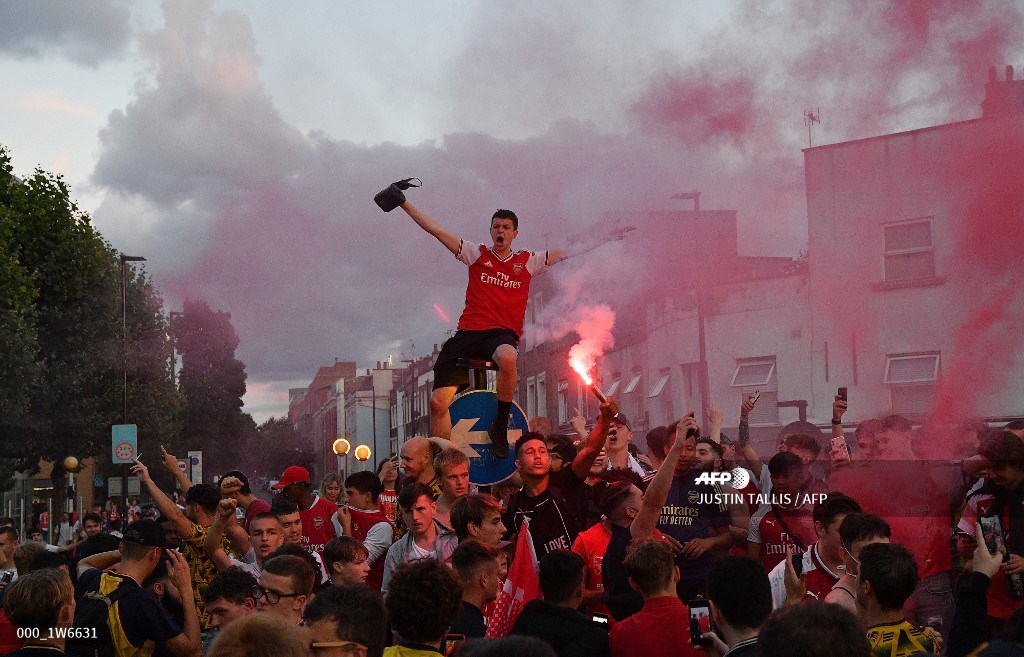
pixel 521 586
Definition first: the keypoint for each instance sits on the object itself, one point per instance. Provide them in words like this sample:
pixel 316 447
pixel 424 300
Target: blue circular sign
pixel 471 414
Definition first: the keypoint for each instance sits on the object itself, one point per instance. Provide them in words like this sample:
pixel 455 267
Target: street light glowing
pixel 341 447
pixel 363 452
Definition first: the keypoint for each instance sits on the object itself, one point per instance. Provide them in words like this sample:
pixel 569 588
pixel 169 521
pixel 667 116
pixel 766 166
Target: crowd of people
pixel 876 548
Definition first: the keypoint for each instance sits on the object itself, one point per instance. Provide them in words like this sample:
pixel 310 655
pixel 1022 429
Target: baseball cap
pixel 293 474
pixel 145 532
pixel 621 418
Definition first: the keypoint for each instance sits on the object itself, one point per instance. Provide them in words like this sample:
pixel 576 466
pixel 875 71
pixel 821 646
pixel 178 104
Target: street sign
pixel 195 461
pixel 114 487
pixel 471 414
pixel 124 443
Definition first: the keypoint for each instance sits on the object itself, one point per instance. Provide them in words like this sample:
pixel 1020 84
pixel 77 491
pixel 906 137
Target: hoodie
pixel 566 630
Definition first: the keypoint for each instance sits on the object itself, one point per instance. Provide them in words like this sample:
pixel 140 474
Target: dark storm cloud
pixel 85 31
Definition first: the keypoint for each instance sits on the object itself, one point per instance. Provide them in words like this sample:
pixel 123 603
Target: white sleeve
pixel 391 562
pixel 765 480
pixel 468 252
pixel 378 540
pixel 754 528
pixel 777 578
pixel 537 262
pixel 338 529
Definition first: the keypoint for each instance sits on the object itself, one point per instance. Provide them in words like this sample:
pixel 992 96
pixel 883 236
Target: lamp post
pixel 341 448
pixel 71 467
pixel 702 365
pixel 125 259
pixel 363 453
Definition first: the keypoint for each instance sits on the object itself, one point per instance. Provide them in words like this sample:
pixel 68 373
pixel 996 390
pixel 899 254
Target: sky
pixel 237 146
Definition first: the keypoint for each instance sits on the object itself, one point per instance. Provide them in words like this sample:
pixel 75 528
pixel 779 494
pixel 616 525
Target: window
pixel 542 394
pixel 633 383
pixel 754 372
pixel 563 402
pixel 759 375
pixel 531 397
pixel 909 252
pixel 663 377
pixel 911 379
pixel 614 386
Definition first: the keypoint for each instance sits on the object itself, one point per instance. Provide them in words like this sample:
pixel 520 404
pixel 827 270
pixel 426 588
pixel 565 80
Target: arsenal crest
pixel 517 269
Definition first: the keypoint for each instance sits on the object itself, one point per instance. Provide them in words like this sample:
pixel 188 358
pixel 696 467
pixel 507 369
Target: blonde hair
pixel 35 599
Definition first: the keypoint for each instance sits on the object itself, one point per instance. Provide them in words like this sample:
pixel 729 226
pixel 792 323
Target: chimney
pixel 1003 97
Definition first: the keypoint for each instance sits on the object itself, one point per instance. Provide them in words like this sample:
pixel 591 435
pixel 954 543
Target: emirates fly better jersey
pixel 498 289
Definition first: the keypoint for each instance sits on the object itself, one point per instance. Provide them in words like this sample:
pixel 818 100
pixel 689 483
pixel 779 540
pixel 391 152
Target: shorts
pixel 479 345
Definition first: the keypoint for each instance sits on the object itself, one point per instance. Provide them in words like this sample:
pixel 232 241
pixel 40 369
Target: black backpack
pixel 92 610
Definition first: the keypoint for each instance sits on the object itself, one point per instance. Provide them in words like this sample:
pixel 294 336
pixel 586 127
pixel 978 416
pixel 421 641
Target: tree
pixel 212 384
pixel 64 317
pixel 276 446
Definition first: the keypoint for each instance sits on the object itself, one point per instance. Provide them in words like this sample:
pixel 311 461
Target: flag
pixel 521 586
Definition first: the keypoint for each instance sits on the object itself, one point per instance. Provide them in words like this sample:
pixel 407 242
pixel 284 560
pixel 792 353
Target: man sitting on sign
pixel 492 321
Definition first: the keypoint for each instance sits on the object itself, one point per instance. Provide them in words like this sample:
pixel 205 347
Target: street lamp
pixel 71 467
pixel 702 366
pixel 125 259
pixel 341 446
pixel 363 453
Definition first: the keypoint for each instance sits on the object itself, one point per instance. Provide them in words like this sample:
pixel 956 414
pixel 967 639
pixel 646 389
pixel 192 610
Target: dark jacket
pixel 568 631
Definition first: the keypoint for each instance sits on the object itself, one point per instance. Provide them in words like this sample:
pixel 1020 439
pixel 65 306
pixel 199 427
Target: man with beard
pixel 193 524
pixel 695 515
pixel 552 500
pixel 711 457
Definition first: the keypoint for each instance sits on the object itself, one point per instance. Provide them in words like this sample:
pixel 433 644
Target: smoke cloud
pixel 604 112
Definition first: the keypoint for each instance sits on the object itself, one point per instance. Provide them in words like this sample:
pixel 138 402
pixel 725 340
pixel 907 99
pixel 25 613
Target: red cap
pixel 293 474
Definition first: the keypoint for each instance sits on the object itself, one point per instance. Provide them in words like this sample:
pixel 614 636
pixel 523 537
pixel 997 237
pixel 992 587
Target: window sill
pixel 920 282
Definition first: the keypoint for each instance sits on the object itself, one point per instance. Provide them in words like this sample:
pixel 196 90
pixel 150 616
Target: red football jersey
pixel 362 522
pixel 498 290
pixel 766 529
pixel 317 528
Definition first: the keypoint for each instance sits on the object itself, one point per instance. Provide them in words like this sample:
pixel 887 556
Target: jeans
pixel 932 603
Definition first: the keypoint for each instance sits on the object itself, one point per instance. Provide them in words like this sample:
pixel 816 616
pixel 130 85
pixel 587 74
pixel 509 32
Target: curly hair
pixel 423 601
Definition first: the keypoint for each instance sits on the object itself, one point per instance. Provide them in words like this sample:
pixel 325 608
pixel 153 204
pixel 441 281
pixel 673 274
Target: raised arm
pixel 99 561
pixel 427 223
pixel 743 448
pixel 164 503
pixel 657 491
pixel 595 441
pixel 579 248
pixel 170 462
pixel 212 545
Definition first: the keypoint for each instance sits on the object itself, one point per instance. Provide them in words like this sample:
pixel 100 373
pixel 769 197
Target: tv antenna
pixel 811 116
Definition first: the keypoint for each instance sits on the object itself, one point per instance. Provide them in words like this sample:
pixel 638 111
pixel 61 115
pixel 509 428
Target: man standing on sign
pixel 492 321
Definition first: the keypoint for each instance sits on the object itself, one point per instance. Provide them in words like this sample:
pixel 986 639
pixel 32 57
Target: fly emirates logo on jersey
pixel 501 279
